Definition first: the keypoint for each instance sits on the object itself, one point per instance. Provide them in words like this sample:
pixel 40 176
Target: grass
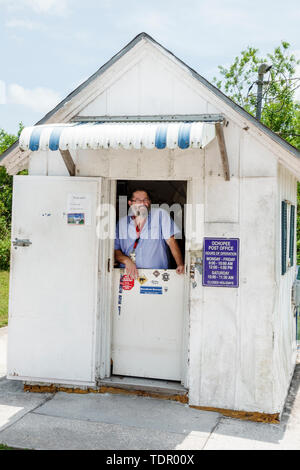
pixel 2 447
pixel 4 284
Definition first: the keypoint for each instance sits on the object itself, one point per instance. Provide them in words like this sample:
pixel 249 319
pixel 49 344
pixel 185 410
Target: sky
pixel 49 47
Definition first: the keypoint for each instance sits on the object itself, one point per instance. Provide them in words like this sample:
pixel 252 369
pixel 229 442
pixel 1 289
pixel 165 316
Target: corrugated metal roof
pixel 127 135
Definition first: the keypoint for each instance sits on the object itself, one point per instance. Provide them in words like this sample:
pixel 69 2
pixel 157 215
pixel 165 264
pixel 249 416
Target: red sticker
pixel 127 282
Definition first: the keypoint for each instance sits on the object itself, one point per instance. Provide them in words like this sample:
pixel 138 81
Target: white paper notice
pixel 80 205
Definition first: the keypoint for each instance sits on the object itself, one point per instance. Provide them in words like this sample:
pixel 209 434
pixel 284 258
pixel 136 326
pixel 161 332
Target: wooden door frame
pixel 103 368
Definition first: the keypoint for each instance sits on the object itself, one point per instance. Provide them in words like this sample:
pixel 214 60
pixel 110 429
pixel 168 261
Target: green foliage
pixel 4 229
pixel 280 110
pixel 3 447
pixel 6 140
pixel 6 183
pixel 4 289
pixel 5 254
pixel 4 244
pixel 294 138
pixel 298 224
pixel 239 77
pixel 5 195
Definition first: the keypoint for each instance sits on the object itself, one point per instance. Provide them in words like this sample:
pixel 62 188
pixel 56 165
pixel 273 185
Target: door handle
pixel 17 242
pixel 198 265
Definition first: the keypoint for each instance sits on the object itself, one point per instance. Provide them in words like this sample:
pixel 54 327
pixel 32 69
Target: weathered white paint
pixel 148 164
pixel 105 279
pixel 47 164
pixel 53 283
pixel 147 331
pixel 284 354
pixel 239 343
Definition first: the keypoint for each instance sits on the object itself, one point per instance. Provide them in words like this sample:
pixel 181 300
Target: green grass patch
pixel 4 286
pixel 2 447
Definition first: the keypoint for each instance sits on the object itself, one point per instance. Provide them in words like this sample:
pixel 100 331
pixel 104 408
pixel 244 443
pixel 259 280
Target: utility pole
pixel 263 68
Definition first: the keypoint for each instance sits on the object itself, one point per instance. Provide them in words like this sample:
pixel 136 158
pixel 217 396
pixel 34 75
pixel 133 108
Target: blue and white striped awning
pixel 127 135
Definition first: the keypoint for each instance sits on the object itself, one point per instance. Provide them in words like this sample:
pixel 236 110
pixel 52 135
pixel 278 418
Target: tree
pixel 6 181
pixel 6 140
pixel 280 110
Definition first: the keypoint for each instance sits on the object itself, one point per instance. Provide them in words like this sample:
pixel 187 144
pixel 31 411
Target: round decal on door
pixel 127 282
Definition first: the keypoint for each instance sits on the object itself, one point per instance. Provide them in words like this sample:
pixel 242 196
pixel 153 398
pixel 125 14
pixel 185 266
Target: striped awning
pixel 126 135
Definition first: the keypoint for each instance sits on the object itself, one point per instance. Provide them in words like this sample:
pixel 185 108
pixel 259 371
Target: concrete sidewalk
pixel 120 422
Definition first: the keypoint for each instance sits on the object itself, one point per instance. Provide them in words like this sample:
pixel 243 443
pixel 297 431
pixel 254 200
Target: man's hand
pixel 175 250
pixel 131 269
pixel 180 269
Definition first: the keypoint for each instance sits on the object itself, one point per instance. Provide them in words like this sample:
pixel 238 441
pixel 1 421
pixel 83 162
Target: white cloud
pixel 39 99
pixel 21 24
pixel 45 6
pixel 54 7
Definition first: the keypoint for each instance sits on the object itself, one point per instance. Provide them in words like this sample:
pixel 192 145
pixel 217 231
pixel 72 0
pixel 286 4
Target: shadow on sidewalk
pixel 283 435
pixel 290 404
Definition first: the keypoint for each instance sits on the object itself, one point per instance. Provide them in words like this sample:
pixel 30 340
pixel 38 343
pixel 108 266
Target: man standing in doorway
pixel 143 237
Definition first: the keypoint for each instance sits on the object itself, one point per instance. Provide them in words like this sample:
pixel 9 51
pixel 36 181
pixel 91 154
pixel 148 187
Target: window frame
pixel 288 231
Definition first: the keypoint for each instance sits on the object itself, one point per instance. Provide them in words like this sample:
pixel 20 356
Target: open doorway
pixel 170 194
pixel 148 312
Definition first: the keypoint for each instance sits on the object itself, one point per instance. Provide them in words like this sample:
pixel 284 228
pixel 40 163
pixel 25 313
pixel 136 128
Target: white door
pixel 148 325
pixel 53 284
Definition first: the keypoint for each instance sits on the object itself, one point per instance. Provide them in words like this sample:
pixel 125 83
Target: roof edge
pixel 77 90
pixel 287 146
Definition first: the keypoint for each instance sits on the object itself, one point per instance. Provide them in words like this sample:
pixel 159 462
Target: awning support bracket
pixel 223 150
pixel 69 162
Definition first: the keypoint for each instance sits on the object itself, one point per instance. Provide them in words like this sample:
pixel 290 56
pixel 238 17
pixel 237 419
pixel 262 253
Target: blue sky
pixel 48 47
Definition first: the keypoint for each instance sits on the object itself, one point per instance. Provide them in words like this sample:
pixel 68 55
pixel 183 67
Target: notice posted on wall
pixel 221 262
pixel 79 209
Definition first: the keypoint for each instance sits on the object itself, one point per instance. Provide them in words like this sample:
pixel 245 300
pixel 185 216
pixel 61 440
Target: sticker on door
pixel 127 282
pixel 151 290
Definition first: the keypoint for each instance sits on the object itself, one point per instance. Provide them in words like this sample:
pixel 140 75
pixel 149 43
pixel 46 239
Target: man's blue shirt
pixel 152 251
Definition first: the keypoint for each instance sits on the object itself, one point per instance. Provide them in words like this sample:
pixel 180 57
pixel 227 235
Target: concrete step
pixel 160 387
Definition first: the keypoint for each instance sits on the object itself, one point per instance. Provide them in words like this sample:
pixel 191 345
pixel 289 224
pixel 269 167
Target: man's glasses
pixel 140 201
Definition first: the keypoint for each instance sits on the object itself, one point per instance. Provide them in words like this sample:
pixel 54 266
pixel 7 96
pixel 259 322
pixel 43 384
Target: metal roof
pixel 290 148
pixel 126 135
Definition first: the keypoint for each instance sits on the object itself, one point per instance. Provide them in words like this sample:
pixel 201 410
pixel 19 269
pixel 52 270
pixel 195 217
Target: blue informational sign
pixel 151 290
pixel 221 262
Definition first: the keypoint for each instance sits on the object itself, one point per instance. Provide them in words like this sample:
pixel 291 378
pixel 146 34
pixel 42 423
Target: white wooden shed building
pixel 224 332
